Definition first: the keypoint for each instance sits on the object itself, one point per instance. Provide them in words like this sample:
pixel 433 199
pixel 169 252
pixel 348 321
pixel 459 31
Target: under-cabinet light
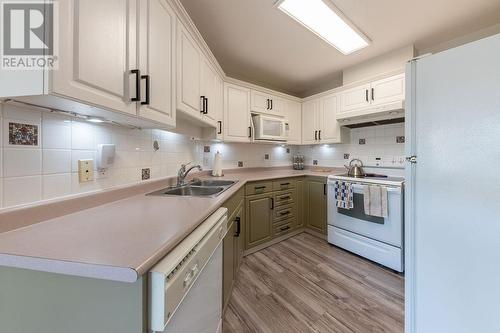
pixel 326 21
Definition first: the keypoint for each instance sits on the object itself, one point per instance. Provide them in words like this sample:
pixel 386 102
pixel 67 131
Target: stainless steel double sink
pixel 197 188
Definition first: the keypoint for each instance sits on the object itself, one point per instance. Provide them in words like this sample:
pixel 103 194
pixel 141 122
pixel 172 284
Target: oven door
pixel 388 230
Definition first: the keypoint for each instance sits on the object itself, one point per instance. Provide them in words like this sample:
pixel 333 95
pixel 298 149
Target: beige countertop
pixel 121 240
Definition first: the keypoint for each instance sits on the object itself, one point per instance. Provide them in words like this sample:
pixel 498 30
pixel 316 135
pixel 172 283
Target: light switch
pixel 85 170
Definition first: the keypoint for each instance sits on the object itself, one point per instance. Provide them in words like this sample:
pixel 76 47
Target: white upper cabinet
pixel 209 91
pixel 319 121
pixel 92 66
pixel 157 61
pixel 388 90
pixel 219 108
pixel 310 121
pixel 329 131
pixel 267 103
pixel 188 74
pixel 293 113
pixel 373 95
pixel 355 98
pixel 237 125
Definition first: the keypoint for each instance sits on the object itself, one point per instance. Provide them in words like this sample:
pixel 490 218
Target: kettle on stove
pixel 355 169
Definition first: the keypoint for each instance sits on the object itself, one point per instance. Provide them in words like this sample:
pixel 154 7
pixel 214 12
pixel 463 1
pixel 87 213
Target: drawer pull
pixel 285 184
pixel 285 228
pixel 259 187
pixel 286 197
pixel 285 213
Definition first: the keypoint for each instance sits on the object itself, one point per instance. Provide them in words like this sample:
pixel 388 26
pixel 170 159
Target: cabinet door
pixel 388 90
pixel 355 98
pixel 293 113
pixel 157 60
pixel 259 219
pixel 209 89
pixel 330 128
pixel 300 203
pixel 239 246
pixel 278 105
pixel 309 121
pixel 218 107
pixel 228 264
pixel 189 74
pixel 94 68
pixel 315 205
pixel 236 113
pixel 261 102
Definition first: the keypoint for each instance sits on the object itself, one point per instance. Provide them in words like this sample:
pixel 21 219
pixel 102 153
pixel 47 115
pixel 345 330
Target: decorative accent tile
pixel 206 149
pixel 347 156
pixel 266 156
pixel 240 164
pixel 400 139
pixel 362 141
pixel 156 145
pixel 315 162
pixel 23 134
pixel 288 150
pixel 146 174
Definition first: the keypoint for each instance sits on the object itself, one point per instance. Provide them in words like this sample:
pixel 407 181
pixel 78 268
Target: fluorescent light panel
pixel 321 19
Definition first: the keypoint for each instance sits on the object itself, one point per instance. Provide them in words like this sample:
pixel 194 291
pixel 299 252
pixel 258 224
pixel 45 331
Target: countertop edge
pixel 102 272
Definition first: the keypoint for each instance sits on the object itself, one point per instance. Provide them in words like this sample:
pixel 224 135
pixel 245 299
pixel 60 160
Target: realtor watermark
pixel 29 35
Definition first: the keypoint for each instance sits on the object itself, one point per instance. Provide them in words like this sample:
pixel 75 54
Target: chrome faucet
pixel 181 175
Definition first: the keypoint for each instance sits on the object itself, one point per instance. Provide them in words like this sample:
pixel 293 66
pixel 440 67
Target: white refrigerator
pixel 452 198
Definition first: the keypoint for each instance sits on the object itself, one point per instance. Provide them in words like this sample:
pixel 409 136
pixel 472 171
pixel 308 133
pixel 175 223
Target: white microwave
pixel 270 128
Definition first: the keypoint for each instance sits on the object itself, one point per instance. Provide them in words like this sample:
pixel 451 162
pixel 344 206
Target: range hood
pixel 382 114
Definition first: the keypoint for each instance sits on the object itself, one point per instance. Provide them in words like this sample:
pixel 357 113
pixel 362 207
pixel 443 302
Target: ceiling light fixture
pixel 327 22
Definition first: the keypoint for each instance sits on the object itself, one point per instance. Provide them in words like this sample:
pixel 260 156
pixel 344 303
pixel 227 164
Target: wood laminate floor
pixel 303 284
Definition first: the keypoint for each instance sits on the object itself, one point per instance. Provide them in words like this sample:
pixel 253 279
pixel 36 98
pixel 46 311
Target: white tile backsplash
pixel 21 162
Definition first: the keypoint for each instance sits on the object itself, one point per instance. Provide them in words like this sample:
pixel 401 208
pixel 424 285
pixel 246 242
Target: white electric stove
pixel 375 238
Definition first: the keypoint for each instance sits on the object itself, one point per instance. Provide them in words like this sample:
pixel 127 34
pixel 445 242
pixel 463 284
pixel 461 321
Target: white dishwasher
pixel 185 287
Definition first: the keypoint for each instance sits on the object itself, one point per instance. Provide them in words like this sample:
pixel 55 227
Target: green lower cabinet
pixel 259 219
pixel 228 263
pixel 300 203
pixel 315 204
pixel 239 246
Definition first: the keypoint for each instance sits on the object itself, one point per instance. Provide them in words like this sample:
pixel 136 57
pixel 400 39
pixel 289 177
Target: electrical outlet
pixel 146 173
pixel 85 170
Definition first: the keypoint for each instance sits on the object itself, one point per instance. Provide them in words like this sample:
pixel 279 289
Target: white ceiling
pixel 255 42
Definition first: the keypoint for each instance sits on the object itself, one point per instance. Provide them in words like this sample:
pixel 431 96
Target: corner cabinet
pixel 237 123
pixel 315 204
pixel 319 121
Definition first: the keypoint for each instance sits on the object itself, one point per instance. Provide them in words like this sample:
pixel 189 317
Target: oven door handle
pixel 358 188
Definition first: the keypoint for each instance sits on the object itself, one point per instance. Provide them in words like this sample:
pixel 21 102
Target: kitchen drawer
pixel 284 184
pixel 285 197
pixel 284 212
pixel 258 188
pixel 283 229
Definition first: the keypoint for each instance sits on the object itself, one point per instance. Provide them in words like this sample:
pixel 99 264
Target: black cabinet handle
pixel 285 184
pixel 284 228
pixel 373 94
pixel 148 91
pixel 202 104
pixel 259 187
pixel 220 127
pixel 249 131
pixel 268 105
pixel 315 135
pixel 324 189
pixel 271 104
pixel 319 135
pixel 285 197
pixel 206 105
pixel 272 203
pixel 285 213
pixel 237 220
pixel 137 74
